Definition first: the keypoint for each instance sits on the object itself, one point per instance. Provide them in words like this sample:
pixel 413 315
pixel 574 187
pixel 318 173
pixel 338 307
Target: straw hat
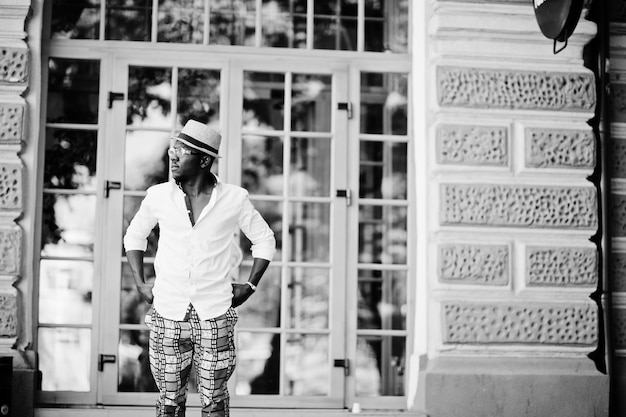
pixel 201 137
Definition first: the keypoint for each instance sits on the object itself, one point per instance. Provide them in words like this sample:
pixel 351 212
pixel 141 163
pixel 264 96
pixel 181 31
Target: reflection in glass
pixel 335 24
pixel 310 167
pixel 284 23
pixel 70 159
pixel 73 87
pixel 386 25
pixel 383 170
pixel 311 100
pixel 131 205
pixel 128 20
pixel 262 164
pixel 132 307
pixel 64 359
pixel 199 96
pixel 181 21
pixel 232 22
pixel 146 162
pixel 382 234
pixel 258 363
pixel 309 232
pixel 307 365
pixel 384 103
pixel 272 213
pixel 308 298
pixel 75 19
pixel 149 97
pixel 65 291
pixel 380 365
pixel 262 310
pixel 134 362
pixel 263 101
pixel 68 225
pixel 382 300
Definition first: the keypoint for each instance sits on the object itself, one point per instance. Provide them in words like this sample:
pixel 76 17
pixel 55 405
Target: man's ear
pixel 205 161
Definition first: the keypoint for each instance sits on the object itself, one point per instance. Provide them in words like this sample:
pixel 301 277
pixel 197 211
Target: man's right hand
pixel 146 293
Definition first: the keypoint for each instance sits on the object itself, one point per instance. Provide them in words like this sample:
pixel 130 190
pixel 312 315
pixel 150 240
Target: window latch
pixel 102 359
pixel 345 194
pixel 113 97
pixel 343 363
pixel 111 185
pixel 347 107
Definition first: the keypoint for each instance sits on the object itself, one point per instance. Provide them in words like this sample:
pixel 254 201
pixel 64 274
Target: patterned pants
pixel 173 347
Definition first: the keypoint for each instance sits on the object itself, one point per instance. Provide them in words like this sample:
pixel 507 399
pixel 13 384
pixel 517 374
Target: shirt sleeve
pixel 257 230
pixel 136 237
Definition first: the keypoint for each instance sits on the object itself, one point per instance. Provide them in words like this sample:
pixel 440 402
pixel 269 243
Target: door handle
pixel 111 185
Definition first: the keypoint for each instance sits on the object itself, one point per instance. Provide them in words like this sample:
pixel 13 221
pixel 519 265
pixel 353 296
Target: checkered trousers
pixel 173 347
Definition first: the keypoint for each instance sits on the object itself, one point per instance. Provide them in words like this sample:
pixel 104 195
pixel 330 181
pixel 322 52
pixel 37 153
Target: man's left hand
pixel 241 292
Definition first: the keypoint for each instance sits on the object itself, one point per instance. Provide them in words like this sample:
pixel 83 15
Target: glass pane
pixel 383 234
pixel 384 103
pixel 272 213
pixel 309 232
pixel 70 159
pixel 150 97
pixel 262 164
pixel 131 205
pixel 65 291
pixel 64 359
pixel 199 96
pixel 73 91
pixel 181 21
pixel 263 101
pixel 68 225
pixel 335 25
pixel 308 298
pixel 307 365
pixel 133 308
pixel 382 300
pixel 75 19
pixel 310 167
pixel 134 362
pixel 128 20
pixel 232 22
pixel 262 310
pixel 387 25
pixel 311 100
pixel 145 159
pixel 383 170
pixel 258 363
pixel 380 366
pixel 284 23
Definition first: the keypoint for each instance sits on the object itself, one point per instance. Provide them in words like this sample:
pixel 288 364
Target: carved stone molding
pixel 8 315
pixel 11 123
pixel 561 266
pixel 519 90
pixel 560 148
pixel 619 328
pixel 474 264
pixel 618 102
pixel 617 157
pixel 617 265
pixel 517 206
pixel 10 186
pixel 618 215
pixel 472 145
pixel 10 250
pixel 549 324
pixel 13 65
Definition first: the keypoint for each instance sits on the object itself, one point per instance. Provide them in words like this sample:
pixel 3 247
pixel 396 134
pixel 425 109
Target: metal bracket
pixel 347 194
pixel 111 185
pixel 343 363
pixel 347 107
pixel 102 359
pixel 115 96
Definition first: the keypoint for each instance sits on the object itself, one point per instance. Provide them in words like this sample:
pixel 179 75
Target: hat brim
pixel 191 145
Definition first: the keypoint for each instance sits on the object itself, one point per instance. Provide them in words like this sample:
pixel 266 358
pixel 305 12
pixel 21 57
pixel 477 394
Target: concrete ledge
pixel 234 412
pixel 512 387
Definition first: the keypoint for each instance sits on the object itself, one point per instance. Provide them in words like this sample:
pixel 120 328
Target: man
pixel 192 317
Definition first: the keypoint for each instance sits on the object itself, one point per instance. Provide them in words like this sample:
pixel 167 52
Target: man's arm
pixel 241 292
pixel 135 261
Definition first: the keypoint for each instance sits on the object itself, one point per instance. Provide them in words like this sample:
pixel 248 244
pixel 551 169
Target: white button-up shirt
pixel 192 263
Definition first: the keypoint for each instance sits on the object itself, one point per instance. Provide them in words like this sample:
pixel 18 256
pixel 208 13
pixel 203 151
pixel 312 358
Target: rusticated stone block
pixel 10 250
pixel 10 186
pixel 619 328
pixel 561 266
pixel 474 264
pixel 617 157
pixel 509 89
pixel 13 65
pixel 617 271
pixel 8 315
pixel 618 215
pixel 472 145
pixel 560 148
pixel 515 206
pixel 11 119
pixel 552 324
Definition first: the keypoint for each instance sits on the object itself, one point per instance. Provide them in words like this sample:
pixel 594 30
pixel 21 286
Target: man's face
pixel 185 162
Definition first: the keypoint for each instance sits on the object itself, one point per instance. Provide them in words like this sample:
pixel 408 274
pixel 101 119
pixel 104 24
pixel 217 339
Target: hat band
pixel 197 143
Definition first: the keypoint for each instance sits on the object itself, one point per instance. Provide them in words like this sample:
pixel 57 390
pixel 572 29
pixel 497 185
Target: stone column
pixel 511 321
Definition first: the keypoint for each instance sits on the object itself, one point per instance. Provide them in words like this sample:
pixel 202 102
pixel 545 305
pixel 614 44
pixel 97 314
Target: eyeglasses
pixel 180 152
